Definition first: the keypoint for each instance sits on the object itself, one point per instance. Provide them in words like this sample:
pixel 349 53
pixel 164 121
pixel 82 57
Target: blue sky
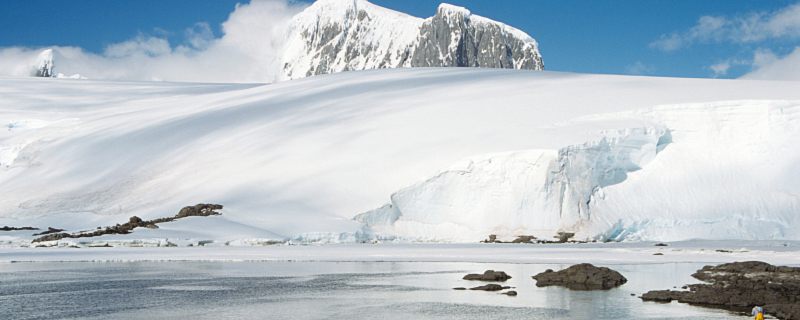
pixel 600 36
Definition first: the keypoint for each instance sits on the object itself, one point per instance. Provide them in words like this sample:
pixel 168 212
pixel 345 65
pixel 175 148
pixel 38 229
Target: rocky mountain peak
pixel 44 64
pixel 343 35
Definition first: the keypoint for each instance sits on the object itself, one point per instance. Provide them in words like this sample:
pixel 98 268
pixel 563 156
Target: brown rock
pixel 739 286
pixel 524 239
pixel 488 275
pixel 490 287
pixel 582 276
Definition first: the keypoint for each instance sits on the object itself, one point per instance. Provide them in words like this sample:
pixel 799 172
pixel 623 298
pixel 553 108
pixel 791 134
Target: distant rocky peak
pixel 44 64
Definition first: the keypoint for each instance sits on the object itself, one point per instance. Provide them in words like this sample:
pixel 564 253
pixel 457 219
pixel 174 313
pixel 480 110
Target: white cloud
pixel 721 68
pixel 764 57
pixel 749 28
pixel 141 45
pixel 248 51
pixel 768 66
pixel 639 68
pixel 200 36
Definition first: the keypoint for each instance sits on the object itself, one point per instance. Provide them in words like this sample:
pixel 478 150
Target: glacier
pixel 629 184
pixel 444 154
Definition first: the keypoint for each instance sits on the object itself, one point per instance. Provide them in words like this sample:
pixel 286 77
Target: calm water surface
pixel 323 290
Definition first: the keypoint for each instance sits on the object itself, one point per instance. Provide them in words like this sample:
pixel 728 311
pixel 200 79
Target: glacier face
pixel 517 193
pixel 343 35
pixel 604 189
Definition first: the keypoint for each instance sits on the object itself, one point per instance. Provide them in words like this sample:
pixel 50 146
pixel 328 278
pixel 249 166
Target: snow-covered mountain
pixel 44 64
pixel 446 154
pixel 343 35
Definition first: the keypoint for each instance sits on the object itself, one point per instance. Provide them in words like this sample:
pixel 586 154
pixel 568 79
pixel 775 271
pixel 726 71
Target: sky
pixel 680 38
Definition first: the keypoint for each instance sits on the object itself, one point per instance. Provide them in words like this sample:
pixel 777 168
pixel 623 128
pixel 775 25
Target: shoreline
pixel 609 253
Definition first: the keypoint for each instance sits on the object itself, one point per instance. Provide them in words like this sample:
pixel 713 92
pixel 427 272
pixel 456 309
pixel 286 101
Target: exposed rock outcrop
pixel 563 237
pixel 524 239
pixel 582 276
pixel 201 210
pixel 739 286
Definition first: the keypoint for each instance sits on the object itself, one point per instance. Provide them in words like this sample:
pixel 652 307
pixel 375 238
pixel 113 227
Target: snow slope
pixel 615 157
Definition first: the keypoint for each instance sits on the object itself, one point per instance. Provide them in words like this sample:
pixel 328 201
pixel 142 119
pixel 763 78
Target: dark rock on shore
pixel 510 293
pixel 524 239
pixel 48 231
pixel 661 244
pixel 564 236
pixel 739 286
pixel 7 228
pixel 490 287
pixel 52 237
pixel 202 210
pixel 488 275
pixel 459 288
pixel 582 276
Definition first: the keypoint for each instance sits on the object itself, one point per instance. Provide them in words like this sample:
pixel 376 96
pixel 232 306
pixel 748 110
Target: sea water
pixel 324 290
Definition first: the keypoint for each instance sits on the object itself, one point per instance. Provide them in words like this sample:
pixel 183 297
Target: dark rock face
pixel 739 286
pixel 490 287
pixel 488 275
pixel 582 276
pixel 452 39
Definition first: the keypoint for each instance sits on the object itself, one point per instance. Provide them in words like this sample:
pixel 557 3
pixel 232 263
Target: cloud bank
pixel 248 51
pixel 751 29
pixel 768 66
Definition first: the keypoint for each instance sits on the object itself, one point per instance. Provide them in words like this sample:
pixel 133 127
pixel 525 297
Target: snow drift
pixel 608 157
